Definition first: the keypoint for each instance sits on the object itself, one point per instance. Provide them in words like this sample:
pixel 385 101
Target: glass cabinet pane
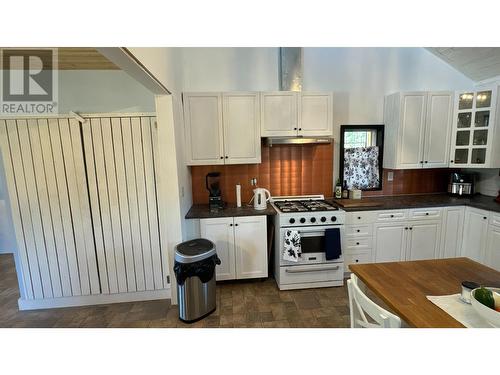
pixel 478 156
pixel 464 120
pixel 465 100
pixel 463 138
pixel 483 99
pixel 482 118
pixel 480 138
pixel 461 155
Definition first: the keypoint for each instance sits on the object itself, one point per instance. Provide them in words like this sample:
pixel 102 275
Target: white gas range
pixel 310 216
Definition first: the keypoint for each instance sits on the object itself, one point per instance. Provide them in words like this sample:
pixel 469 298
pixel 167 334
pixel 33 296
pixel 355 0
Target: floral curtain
pixel 361 169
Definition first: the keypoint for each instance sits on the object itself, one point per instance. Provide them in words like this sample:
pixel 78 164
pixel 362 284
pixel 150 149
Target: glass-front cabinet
pixel 472 128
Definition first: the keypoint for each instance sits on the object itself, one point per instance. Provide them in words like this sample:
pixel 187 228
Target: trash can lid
pixel 194 250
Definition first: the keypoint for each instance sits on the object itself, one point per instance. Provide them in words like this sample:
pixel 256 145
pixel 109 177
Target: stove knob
pixel 334 218
pixel 323 219
pixel 292 220
pixel 302 220
pixel 313 220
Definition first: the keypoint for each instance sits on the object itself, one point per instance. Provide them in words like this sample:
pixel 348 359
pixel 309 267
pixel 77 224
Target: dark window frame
pixel 380 143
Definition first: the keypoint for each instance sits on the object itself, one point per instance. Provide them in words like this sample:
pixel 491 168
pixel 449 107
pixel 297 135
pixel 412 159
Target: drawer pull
pixel 359 217
pixel 392 215
pixel 357 230
pixel 288 270
pixel 357 260
pixel 426 214
pixel 357 243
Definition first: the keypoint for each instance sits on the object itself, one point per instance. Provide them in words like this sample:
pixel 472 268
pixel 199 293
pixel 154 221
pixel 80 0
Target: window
pixel 361 155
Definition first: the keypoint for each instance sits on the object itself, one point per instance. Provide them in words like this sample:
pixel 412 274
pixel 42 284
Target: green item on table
pixel 485 296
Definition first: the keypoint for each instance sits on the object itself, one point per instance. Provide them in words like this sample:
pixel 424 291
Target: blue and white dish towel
pixel 292 248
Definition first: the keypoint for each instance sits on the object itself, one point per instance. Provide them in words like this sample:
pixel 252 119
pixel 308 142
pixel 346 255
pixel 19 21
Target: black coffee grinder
pixel 212 181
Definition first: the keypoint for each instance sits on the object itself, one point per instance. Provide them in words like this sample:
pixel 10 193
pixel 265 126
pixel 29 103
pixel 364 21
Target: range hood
pixel 290 79
pixel 296 140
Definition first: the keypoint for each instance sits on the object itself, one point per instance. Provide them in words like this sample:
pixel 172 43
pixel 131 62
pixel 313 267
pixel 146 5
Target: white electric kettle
pixel 259 198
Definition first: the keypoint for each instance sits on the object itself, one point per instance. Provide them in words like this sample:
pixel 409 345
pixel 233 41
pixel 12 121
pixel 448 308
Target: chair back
pixel 361 306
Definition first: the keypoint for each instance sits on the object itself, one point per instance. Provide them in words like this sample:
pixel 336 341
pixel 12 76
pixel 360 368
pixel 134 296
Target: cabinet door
pixel 424 240
pixel 390 242
pixel 412 130
pixel 250 239
pixel 241 128
pixel 493 248
pixel 315 114
pixel 203 128
pixel 452 231
pixel 475 230
pixel 220 232
pixel 437 129
pixel 278 113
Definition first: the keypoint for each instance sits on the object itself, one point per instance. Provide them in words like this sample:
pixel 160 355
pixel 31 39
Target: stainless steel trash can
pixel 194 268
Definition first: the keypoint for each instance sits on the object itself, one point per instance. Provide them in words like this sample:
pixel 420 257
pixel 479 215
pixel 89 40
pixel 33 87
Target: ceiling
pixel 477 63
pixel 82 59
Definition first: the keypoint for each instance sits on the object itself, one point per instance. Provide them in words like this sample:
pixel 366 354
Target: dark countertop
pixel 426 200
pixel 201 211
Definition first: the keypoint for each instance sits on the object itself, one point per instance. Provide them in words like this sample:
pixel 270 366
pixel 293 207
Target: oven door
pixel 312 241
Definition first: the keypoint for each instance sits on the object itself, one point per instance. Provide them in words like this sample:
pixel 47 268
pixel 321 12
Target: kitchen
pixel 308 168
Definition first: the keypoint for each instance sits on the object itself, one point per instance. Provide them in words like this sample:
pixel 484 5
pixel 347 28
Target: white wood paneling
pixel 142 201
pixel 34 208
pixel 8 160
pixel 133 204
pixel 121 182
pixel 43 201
pixel 66 215
pixel 84 204
pixel 149 173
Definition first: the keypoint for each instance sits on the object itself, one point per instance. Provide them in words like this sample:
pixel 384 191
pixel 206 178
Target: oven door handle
pixel 291 270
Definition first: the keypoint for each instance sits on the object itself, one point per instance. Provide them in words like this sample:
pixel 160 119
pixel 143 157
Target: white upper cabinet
pixel 437 130
pixel 315 114
pixel 222 128
pixel 417 124
pixel 203 128
pixel 279 114
pixel 292 114
pixel 241 118
pixel 476 139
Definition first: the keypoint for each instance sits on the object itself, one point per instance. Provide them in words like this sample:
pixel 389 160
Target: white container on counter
pixel 238 195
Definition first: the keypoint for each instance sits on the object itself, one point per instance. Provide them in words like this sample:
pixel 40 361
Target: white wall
pixel 487 181
pixel 102 91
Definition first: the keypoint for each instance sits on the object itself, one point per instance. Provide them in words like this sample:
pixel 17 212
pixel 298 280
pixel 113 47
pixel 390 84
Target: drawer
pixel 495 219
pixel 360 258
pixel 360 217
pixel 311 273
pixel 358 230
pixel 356 244
pixel 388 216
pixel 425 213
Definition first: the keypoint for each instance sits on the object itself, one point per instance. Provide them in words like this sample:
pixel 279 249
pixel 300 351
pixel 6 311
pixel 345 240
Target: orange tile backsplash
pixel 285 170
pixel 306 169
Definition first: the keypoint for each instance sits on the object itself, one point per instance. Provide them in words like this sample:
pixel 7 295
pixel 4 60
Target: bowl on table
pixel 490 315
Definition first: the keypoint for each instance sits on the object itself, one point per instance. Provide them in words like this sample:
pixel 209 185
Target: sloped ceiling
pixel 477 63
pixel 81 59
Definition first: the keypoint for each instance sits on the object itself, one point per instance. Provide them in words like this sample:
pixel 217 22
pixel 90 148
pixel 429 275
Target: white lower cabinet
pixel 452 232
pixel 423 240
pixel 493 247
pixel 241 244
pixel 390 242
pixel 475 231
pixel 220 231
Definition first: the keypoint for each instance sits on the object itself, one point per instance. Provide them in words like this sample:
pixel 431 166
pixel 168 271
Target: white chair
pixel 360 306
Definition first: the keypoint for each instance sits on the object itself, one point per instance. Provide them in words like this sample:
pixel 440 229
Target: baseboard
pixel 97 299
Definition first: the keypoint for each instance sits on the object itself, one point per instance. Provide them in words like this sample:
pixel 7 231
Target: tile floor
pixel 255 304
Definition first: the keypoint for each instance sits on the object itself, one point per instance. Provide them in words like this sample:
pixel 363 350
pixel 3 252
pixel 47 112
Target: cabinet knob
pixel 300 128
pixel 357 260
pixel 235 225
pixel 484 217
pixel 227 157
pixel 451 161
pixel 392 215
pixel 230 225
pixel 425 161
pixel 294 128
pixel 359 217
pixel 411 228
pixel 357 243
pixel 426 214
pixel 421 162
pixel 222 157
pixel 406 228
pixel 357 230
